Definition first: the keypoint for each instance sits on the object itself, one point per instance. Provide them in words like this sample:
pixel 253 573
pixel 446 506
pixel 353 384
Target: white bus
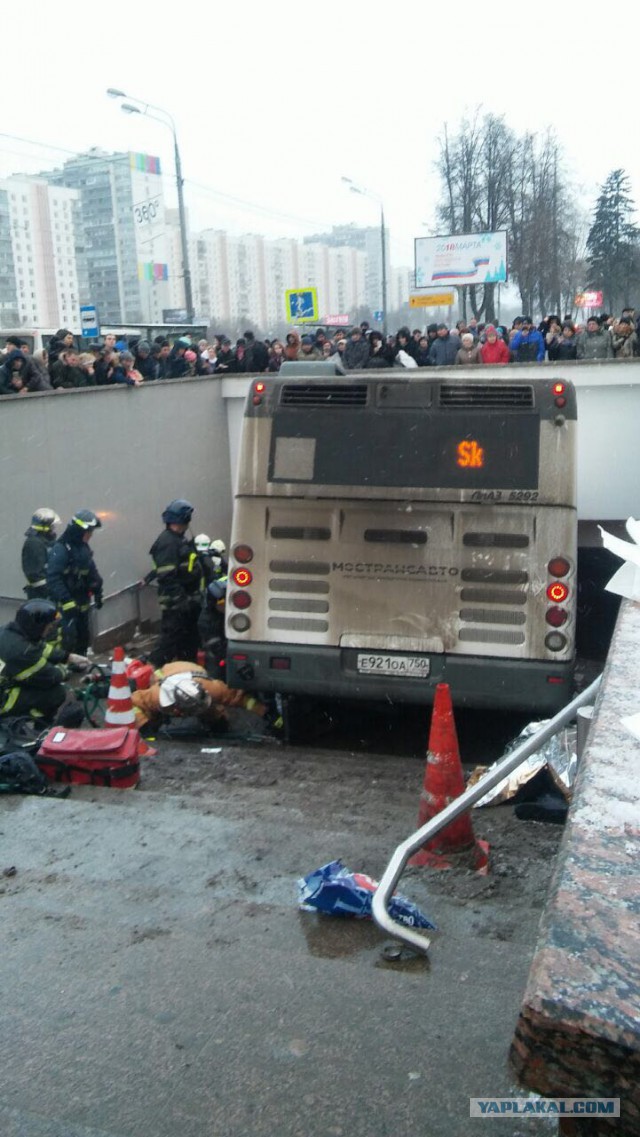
pixel 393 532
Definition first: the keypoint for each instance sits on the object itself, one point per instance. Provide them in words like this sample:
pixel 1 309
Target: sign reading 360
pixel 146 212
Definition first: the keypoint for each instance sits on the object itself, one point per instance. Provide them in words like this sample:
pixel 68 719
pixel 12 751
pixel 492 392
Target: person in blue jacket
pixel 73 580
pixel 527 345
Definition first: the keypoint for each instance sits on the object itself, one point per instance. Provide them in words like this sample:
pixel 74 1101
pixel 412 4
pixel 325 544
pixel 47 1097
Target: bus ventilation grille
pixel 324 395
pixel 486 395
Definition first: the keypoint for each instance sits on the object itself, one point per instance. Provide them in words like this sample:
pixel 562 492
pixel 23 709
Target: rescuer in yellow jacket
pixel 183 688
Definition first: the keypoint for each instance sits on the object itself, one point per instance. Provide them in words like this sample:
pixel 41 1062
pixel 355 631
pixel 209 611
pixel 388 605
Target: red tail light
pixel 243 553
pixel 240 599
pixel 556 617
pixel 242 577
pixel 557 592
pixel 558 566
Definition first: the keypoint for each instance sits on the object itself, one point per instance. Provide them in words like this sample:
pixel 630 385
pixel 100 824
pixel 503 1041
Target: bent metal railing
pixel 510 762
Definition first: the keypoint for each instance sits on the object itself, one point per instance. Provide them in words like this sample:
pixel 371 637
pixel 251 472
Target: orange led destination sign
pixel 470 454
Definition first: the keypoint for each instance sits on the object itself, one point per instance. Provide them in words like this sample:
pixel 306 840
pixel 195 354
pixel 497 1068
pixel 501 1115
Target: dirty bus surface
pixel 392 532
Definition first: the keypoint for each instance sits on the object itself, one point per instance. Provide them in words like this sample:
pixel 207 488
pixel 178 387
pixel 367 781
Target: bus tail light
pixel 242 577
pixel 558 566
pixel 240 599
pixel 555 641
pixel 240 623
pixel 559 396
pixel 258 392
pixel 557 592
pixel 280 663
pixel 243 553
pixel 556 617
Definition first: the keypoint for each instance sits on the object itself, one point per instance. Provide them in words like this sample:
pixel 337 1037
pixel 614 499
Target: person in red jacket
pixel 495 349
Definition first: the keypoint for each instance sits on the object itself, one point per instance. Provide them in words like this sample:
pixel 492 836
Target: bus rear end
pixel 393 533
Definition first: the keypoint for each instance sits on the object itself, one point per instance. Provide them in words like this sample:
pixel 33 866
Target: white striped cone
pixel 120 710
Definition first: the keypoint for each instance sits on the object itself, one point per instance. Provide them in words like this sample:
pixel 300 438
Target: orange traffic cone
pixel 120 710
pixel 443 783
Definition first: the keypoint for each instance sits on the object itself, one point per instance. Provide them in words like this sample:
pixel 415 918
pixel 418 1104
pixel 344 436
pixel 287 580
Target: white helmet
pixel 202 543
pixel 183 692
pixel 45 517
pixel 218 547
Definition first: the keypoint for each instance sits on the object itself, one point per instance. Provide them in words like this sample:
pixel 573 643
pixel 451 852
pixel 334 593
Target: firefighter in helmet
pixel 73 580
pixel 178 570
pixel 39 540
pixel 33 668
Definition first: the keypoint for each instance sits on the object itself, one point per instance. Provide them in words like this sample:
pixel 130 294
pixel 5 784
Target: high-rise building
pixel 401 285
pixel 368 239
pixel 122 240
pixel 38 274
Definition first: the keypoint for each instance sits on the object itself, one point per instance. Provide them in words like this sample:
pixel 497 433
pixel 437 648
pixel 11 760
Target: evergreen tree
pixel 613 245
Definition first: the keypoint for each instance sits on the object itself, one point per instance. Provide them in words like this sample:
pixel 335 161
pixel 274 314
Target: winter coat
pixel 257 356
pixel 595 345
pixel 37 375
pixel 529 348
pixel 309 356
pixel 177 569
pixel 67 376
pixel 356 354
pixel 443 351
pixel 497 352
pixel 381 358
pixel 72 576
pixel 147 366
pixel 178 366
pixel 226 363
pixel 291 349
pixel 624 347
pixel 6 372
pixel 103 371
pixel 467 355
pixel 35 550
pixel 562 348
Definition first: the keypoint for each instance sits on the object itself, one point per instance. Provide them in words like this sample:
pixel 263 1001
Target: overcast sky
pixel 273 102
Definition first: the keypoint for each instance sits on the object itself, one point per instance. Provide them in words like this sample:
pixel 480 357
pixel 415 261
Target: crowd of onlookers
pixel 110 361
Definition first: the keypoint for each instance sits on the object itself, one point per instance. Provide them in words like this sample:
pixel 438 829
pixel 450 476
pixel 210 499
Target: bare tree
pixel 493 179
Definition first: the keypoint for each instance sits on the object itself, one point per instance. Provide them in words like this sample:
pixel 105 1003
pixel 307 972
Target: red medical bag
pixel 106 757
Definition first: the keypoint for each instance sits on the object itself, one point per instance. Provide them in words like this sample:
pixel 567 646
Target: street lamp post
pixel 138 106
pixel 383 244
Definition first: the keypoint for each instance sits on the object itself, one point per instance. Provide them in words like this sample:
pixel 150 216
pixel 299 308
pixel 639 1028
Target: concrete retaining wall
pixel 123 452
pixel 579 1029
pixel 126 452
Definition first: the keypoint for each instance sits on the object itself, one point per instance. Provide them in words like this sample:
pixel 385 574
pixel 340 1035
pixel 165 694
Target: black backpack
pixel 20 775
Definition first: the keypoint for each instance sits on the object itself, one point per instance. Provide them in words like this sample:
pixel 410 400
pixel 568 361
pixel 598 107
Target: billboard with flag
pixel 467 258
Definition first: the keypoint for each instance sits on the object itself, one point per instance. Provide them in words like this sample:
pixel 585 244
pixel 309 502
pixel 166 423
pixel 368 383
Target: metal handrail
pixel 510 762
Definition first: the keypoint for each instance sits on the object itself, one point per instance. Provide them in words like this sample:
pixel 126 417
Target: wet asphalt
pixel 159 979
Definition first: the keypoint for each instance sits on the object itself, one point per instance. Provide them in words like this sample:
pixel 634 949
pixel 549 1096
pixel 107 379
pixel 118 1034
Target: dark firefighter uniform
pixel 73 579
pixel 177 568
pixel 39 540
pixel 31 672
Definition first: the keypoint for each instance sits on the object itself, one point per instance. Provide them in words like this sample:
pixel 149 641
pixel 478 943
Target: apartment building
pixel 38 271
pixel 121 246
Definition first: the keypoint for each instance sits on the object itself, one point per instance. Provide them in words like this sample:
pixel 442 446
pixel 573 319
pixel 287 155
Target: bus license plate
pixel 410 666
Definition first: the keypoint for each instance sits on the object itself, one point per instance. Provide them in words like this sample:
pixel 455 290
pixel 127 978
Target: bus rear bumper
pixel 481 682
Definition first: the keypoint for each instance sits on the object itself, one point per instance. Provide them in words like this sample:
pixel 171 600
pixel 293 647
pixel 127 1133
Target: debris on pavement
pixel 558 756
pixel 335 890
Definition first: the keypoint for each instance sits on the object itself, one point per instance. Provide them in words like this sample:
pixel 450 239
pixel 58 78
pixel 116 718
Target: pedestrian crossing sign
pixel 301 305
